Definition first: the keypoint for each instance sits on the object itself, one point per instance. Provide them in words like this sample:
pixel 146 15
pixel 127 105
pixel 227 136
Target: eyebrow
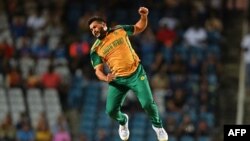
pixel 91 27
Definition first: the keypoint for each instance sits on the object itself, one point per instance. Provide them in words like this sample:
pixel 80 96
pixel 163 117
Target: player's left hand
pixel 143 11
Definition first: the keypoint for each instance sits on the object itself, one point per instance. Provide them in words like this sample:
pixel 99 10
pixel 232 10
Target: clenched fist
pixel 143 11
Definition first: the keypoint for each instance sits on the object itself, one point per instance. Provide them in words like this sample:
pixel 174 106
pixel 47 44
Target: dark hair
pixel 96 18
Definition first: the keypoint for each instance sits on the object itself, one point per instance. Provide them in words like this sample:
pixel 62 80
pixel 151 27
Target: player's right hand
pixel 110 77
pixel 143 11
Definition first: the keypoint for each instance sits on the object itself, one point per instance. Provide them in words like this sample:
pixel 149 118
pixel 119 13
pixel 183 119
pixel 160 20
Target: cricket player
pixel 113 48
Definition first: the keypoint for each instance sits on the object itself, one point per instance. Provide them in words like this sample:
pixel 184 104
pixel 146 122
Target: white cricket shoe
pixel 123 130
pixel 161 133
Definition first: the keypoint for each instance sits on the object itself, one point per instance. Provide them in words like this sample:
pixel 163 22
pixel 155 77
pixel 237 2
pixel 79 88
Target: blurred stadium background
pixel 191 50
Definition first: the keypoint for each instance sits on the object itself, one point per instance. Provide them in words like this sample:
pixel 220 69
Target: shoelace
pixel 124 132
pixel 161 132
pixel 123 128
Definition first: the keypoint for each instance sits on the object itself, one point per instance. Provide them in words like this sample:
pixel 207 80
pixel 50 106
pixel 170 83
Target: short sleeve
pixel 95 59
pixel 128 28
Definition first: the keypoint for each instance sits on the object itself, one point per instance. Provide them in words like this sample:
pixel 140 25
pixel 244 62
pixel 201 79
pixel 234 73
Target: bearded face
pixel 103 32
pixel 98 29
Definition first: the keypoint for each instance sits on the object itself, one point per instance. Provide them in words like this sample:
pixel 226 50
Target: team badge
pixel 142 77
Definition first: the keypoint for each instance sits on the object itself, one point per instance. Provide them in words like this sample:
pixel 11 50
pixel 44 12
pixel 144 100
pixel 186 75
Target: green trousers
pixel 139 84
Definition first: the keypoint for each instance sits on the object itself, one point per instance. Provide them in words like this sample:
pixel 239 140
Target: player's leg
pixel 115 99
pixel 140 85
pixel 144 95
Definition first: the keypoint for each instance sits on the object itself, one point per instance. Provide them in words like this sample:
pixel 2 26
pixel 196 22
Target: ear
pixel 105 28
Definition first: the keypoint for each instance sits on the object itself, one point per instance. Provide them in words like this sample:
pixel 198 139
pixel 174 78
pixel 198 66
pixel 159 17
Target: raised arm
pixel 143 21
